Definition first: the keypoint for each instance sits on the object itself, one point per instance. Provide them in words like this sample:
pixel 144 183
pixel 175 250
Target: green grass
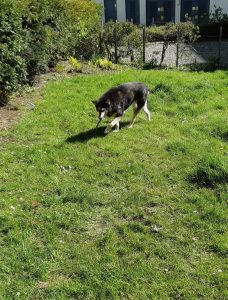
pixel 138 214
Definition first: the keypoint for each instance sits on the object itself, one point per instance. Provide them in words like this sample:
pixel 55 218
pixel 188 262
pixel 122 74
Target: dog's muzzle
pixel 102 115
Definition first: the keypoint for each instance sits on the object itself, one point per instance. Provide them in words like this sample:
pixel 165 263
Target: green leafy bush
pixel 75 64
pixel 12 45
pixel 35 35
pixel 188 32
pixel 128 38
pixel 59 68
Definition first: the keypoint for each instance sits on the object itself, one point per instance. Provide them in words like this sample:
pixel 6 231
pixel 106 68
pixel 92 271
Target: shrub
pixel 75 64
pixel 35 35
pixel 103 64
pixel 128 38
pixel 211 66
pixel 188 32
pixel 12 44
pixel 217 16
pixel 59 68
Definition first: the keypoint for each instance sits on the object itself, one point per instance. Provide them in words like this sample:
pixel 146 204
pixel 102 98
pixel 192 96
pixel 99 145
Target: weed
pixel 75 64
pixel 59 68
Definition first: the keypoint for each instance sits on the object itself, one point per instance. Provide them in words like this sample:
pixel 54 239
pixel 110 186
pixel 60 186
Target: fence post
pixel 220 45
pixel 144 44
pixel 115 38
pixel 101 39
pixel 177 52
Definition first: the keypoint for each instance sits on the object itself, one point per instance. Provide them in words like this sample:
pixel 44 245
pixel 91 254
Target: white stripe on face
pixel 103 114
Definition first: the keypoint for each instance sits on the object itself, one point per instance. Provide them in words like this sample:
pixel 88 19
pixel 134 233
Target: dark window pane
pixel 151 12
pixel 186 9
pixel 132 11
pixel 203 10
pixel 169 11
pixel 110 10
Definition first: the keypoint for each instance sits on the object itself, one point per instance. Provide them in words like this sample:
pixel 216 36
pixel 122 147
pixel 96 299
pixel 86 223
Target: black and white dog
pixel 116 100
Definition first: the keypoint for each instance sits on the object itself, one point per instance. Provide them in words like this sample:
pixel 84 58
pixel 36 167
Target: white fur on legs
pixel 115 122
pixel 146 110
pixel 117 127
pixel 135 112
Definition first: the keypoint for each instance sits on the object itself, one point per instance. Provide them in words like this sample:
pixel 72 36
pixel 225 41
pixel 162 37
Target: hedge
pixel 36 34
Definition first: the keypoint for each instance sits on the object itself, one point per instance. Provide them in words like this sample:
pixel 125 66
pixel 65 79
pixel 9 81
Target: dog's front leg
pixel 115 122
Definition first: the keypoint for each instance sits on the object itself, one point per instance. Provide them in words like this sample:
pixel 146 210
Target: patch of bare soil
pixel 24 101
pixel 19 103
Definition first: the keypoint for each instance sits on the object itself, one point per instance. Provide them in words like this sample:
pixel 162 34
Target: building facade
pixel 148 12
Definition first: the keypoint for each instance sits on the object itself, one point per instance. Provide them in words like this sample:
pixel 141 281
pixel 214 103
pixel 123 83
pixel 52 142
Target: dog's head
pixel 102 108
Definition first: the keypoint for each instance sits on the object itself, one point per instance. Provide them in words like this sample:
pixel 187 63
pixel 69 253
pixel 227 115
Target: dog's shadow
pixel 85 136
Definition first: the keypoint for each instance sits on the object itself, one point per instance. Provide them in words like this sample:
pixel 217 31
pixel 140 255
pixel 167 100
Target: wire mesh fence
pixel 171 51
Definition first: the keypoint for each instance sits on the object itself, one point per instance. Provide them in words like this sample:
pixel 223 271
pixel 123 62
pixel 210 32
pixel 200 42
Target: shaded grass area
pixel 138 214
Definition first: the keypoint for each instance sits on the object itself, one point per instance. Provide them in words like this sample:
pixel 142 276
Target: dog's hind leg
pixel 136 110
pixel 117 127
pixel 146 110
pixel 135 113
pixel 115 123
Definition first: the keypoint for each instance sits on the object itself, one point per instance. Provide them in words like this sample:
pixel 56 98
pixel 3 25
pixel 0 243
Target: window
pixel 203 10
pixel 160 11
pixel 151 12
pixel 110 10
pixel 196 10
pixel 132 11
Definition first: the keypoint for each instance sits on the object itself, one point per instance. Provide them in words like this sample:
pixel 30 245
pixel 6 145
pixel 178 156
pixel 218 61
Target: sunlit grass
pixel 138 214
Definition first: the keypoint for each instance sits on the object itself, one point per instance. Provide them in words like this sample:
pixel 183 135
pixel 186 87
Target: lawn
pixel 138 214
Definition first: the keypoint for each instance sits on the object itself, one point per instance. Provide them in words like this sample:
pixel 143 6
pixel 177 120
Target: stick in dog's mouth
pixel 98 123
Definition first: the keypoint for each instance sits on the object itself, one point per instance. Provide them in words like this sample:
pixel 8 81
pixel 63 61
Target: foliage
pixel 128 38
pixel 87 46
pixel 75 64
pixel 59 68
pixel 12 45
pixel 188 32
pixel 153 63
pixel 210 66
pixel 102 63
pixel 217 16
pixel 36 34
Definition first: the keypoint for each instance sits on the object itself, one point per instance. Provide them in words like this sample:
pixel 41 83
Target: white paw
pixel 116 130
pixel 130 126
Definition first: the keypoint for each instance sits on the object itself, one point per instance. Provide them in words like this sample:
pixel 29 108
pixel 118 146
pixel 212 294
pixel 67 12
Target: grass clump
pixel 221 131
pixel 210 172
pixel 176 147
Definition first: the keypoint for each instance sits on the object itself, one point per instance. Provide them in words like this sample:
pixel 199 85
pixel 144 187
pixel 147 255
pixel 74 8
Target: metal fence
pixel 216 50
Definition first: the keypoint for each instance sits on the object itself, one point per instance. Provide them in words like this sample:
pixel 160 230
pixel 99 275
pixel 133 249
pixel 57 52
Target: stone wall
pixel 201 52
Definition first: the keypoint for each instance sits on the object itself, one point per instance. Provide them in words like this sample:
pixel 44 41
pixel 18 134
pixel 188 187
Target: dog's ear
pixel 94 102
